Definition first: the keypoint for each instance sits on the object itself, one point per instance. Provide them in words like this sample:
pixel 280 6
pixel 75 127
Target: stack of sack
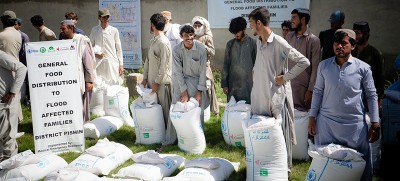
pixel 334 162
pixel 186 119
pixel 300 150
pixel 74 174
pixel 29 166
pixel 116 100
pixel 103 157
pixel 206 169
pixel 231 124
pixel 97 100
pixel 102 126
pixel 150 165
pixel 266 156
pixel 148 117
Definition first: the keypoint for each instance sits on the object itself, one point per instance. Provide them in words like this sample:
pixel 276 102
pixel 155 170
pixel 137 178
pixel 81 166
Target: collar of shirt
pixel 349 61
pixel 269 40
pixel 194 47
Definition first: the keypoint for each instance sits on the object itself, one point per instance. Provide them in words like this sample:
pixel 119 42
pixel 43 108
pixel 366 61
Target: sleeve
pixel 146 68
pixel 87 61
pixel 227 64
pixel 203 78
pixel 301 62
pixel 165 56
pixel 118 47
pixel 370 94
pixel 8 62
pixel 92 36
pixel 209 44
pixel 177 72
pixel 379 79
pixel 317 92
pixel 51 36
pixel 315 59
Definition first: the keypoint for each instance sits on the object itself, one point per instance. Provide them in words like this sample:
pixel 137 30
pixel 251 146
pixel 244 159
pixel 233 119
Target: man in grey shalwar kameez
pixel 12 75
pixel 271 94
pixel 157 71
pixel 337 113
pixel 240 55
pixel 189 70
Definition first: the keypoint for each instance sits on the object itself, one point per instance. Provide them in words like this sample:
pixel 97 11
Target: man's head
pixel 18 24
pixel 258 18
pixel 104 17
pixel 9 18
pixel 168 16
pixel 187 34
pixel 300 18
pixel 238 27
pixel 37 21
pixel 361 28
pixel 67 28
pixel 336 19
pixel 286 27
pixel 72 16
pixel 344 42
pixel 157 22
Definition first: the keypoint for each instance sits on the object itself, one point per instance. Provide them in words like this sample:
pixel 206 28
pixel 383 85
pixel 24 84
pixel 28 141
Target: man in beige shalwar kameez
pixel 157 71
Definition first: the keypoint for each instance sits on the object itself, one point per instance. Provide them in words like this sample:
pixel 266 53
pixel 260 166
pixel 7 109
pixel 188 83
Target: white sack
pixel 116 103
pixel 299 151
pixel 102 148
pixel 97 102
pixel 71 174
pixel 146 94
pixel 149 156
pixel 24 158
pixel 102 126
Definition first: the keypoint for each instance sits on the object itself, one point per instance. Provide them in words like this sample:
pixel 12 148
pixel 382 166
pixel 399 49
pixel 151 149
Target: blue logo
pixel 311 175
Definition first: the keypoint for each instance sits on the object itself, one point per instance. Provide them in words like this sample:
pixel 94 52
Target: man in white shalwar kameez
pixel 110 67
pixel 171 30
pixel 157 70
pixel 271 94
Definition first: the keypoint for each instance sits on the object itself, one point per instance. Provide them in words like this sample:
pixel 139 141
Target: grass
pixel 216 146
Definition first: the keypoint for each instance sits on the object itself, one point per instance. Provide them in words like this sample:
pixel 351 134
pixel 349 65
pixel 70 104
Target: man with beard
pixel 240 55
pixel 271 94
pixel 171 29
pixel 326 37
pixel 204 35
pixel 370 55
pixel 157 70
pixel 86 63
pixel 337 113
pixel 189 70
pixel 307 44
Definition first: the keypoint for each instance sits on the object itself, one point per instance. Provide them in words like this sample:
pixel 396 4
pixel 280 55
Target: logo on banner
pixel 51 49
pixel 31 51
pixel 72 47
pixel 42 49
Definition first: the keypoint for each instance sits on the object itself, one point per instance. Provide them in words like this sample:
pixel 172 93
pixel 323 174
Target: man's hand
pixel 99 56
pixel 279 80
pixel 307 98
pixel 311 126
pixel 89 86
pixel 121 69
pixel 198 96
pixel 8 98
pixel 144 82
pixel 374 132
pixel 184 96
pixel 155 87
pixel 226 90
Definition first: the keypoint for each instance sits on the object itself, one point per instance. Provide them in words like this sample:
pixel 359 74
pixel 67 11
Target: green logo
pixel 181 141
pixel 263 172
pixel 42 50
pixel 239 144
pixel 51 49
pixel 111 102
pixel 146 135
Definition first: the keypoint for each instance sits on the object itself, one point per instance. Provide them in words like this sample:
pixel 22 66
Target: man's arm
pixel 226 67
pixel 301 65
pixel 118 48
pixel 165 63
pixel 316 100
pixel 88 67
pixel 10 63
pixel 177 70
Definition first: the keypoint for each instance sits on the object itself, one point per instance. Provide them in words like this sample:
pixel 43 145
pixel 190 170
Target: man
pixel 12 74
pixel 286 28
pixel 157 68
pixel 72 16
pixel 171 29
pixel 370 55
pixel 86 63
pixel 45 34
pixel 111 65
pixel 22 59
pixel 337 112
pixel 307 44
pixel 189 70
pixel 326 37
pixel 204 35
pixel 240 55
pixel 271 93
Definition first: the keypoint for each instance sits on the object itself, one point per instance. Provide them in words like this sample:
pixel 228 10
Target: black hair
pixel 301 15
pixel 186 29
pixel 338 37
pixel 158 20
pixel 237 24
pixel 37 21
pixel 7 22
pixel 71 15
pixel 262 14
pixel 286 23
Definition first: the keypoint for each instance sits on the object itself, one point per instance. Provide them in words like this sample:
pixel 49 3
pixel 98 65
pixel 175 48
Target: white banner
pixel 56 100
pixel 220 12
pixel 125 16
